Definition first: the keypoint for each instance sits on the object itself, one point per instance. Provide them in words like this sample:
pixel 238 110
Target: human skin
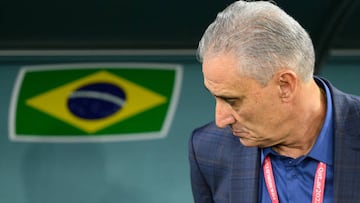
pixel 286 114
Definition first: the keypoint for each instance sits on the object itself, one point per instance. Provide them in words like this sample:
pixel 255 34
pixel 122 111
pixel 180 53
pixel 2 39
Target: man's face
pixel 255 113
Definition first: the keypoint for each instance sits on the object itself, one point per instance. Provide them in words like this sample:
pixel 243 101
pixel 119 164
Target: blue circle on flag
pixel 96 100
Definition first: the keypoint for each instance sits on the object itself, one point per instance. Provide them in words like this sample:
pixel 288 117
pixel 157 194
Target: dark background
pixel 156 24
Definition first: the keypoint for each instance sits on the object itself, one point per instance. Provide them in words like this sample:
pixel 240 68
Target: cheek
pixel 261 111
pixel 249 114
pixel 271 115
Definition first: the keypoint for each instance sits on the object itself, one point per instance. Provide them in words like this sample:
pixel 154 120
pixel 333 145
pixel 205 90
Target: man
pixel 280 133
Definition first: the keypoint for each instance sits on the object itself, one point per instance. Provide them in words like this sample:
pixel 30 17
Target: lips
pixel 239 133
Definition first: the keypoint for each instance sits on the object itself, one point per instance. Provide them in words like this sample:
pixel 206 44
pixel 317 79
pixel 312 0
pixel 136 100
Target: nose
pixel 223 114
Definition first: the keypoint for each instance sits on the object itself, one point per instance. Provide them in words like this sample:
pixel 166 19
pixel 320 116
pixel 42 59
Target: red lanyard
pixel 319 182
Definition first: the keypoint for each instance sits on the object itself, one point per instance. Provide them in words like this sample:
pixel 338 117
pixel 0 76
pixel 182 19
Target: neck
pixel 308 123
pixel 295 150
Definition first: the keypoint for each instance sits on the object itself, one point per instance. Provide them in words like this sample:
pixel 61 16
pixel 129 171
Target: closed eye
pixel 232 101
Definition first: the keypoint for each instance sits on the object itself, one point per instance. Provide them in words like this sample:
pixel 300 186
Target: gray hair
pixel 264 36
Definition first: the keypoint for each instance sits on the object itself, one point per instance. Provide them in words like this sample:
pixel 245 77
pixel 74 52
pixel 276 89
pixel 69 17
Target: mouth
pixel 240 133
pixel 245 138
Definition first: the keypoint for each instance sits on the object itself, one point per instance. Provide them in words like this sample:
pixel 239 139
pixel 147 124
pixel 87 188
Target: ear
pixel 287 81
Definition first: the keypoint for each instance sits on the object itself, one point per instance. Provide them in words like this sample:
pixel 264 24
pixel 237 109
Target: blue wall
pixel 151 171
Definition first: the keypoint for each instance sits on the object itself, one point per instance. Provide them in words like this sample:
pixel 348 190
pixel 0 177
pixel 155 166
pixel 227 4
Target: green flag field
pixel 93 102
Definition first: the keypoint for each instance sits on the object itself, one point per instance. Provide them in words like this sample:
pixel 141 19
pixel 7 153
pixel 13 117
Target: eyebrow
pixel 223 97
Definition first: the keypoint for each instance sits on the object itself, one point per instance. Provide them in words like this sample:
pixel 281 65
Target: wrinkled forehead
pixel 220 68
pixel 221 63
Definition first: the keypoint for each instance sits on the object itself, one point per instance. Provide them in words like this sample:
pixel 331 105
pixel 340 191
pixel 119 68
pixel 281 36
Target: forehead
pixel 219 66
pixel 221 74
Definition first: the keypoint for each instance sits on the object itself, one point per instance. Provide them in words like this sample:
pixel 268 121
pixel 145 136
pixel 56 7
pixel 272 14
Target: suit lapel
pixel 346 148
pixel 245 174
pixel 346 165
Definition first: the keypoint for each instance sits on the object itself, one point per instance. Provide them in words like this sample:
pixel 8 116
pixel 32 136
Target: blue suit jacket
pixel 224 171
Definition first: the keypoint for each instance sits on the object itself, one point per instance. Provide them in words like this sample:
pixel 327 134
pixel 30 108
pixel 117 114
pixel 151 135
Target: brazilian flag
pixel 94 102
